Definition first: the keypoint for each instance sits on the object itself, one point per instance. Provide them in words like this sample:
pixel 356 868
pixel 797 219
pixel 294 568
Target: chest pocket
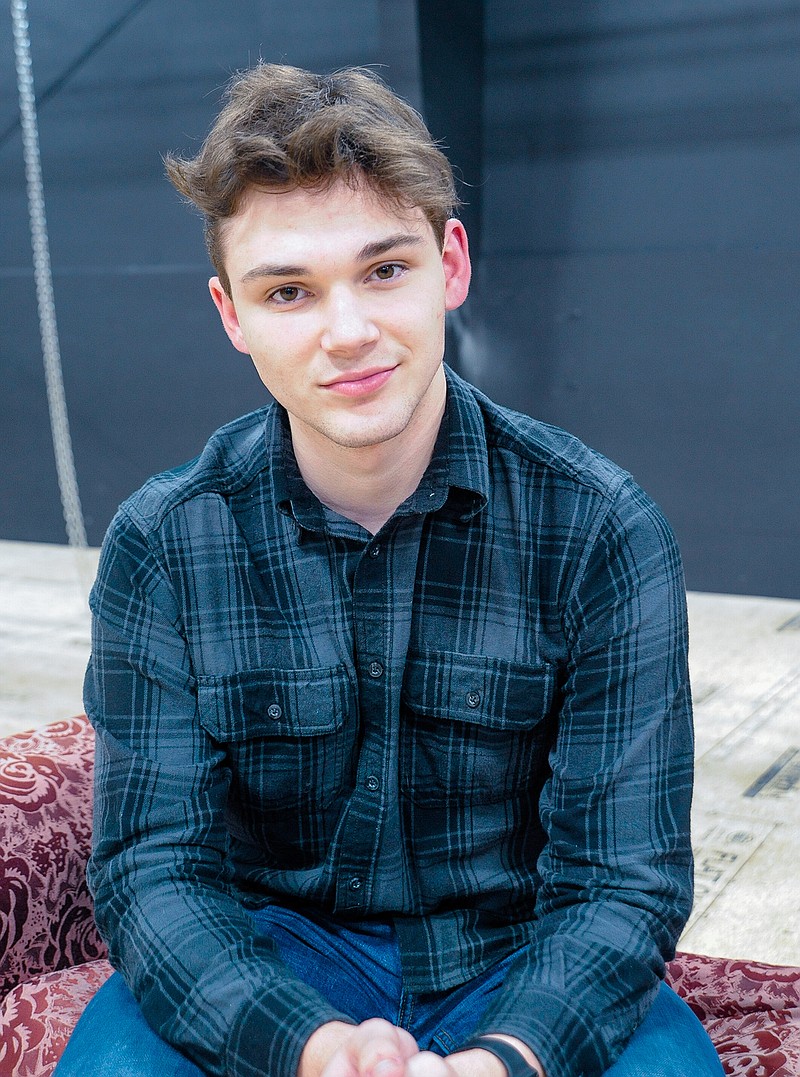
pixel 475 727
pixel 290 738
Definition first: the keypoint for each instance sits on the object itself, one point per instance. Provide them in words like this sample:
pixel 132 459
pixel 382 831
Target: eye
pixel 388 271
pixel 286 294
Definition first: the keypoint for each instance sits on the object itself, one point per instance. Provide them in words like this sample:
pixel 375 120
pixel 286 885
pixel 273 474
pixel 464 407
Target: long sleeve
pixel 616 868
pixel 160 874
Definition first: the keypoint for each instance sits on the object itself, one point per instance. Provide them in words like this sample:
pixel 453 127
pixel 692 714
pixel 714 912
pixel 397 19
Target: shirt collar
pixel 467 452
pixel 458 473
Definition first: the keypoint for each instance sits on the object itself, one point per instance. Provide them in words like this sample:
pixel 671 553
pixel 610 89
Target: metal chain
pixel 56 400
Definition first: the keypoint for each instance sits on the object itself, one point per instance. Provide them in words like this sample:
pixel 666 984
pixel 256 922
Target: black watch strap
pixel 510 1057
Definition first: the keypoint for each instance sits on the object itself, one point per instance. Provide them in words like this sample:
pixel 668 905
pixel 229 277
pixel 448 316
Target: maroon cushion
pixel 46 919
pixel 750 1010
pixel 37 1018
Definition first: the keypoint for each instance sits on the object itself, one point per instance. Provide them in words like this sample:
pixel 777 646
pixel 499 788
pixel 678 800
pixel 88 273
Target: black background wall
pixel 631 171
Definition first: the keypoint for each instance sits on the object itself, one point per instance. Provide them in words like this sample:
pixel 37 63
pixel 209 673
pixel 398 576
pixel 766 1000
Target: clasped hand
pixel 377 1048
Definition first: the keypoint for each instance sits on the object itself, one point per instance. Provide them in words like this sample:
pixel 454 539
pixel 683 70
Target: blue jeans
pixel 357 968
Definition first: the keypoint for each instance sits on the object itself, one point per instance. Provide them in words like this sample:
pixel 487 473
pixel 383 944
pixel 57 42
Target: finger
pixel 340 1065
pixel 376 1048
pixel 383 1049
pixel 427 1064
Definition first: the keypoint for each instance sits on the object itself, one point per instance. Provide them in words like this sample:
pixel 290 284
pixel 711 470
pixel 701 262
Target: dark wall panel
pixel 641 242
pixel 637 167
pixel 607 347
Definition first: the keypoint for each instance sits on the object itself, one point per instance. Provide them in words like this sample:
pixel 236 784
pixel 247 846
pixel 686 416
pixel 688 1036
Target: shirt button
pixel 375 551
pixel 375 670
pixel 372 783
pixel 355 883
pixel 274 711
pixel 473 699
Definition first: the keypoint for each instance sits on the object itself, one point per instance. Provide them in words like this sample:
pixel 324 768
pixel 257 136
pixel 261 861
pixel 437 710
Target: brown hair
pixel 282 128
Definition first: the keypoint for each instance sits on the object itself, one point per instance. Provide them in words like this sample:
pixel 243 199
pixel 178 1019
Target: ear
pixel 227 312
pixel 456 264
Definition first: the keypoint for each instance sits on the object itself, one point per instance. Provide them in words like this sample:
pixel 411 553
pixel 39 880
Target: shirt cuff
pixel 270 1033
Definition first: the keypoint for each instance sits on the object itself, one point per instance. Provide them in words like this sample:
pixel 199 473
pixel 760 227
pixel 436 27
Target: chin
pixel 364 440
pixel 361 431
pixel 363 437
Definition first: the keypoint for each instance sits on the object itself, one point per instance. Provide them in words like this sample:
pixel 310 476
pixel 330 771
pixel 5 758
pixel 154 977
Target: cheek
pixel 276 339
pixel 282 370
pixel 268 348
pixel 265 362
pixel 423 320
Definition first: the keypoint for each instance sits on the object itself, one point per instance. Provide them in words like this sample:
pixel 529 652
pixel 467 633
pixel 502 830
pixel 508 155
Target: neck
pixel 366 484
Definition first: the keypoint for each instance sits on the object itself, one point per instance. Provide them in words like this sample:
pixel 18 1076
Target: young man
pixel 394 748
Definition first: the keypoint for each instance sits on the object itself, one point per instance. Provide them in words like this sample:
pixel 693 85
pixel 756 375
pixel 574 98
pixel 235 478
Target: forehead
pixel 306 222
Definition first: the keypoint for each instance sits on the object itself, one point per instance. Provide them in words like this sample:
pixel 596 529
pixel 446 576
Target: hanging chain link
pixel 56 400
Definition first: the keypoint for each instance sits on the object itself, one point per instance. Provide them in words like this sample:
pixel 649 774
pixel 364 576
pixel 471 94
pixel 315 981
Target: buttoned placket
pixel 372 866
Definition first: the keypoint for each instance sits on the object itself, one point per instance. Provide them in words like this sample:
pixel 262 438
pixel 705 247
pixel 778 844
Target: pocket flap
pixel 275 703
pixel 486 691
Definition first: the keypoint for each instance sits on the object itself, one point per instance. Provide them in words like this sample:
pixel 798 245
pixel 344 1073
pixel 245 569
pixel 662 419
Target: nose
pixel 348 327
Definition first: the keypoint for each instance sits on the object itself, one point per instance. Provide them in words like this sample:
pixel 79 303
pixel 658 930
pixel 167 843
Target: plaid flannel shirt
pixel 475 724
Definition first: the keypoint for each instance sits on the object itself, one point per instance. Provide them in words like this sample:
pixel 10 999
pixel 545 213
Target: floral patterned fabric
pixel 52 959
pixel 46 920
pixel 37 1018
pixel 750 1010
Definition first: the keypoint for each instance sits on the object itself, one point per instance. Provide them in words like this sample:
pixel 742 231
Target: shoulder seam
pixel 177 490
pixel 523 443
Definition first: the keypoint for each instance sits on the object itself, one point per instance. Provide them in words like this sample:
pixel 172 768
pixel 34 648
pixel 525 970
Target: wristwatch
pixel 510 1057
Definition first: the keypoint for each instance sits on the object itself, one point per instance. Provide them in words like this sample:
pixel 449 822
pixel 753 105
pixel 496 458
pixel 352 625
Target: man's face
pixel 340 301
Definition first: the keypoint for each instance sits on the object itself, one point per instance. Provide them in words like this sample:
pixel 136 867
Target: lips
pixel 360 383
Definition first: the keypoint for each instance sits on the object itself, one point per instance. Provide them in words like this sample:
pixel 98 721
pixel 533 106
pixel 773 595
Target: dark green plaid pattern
pixel 476 724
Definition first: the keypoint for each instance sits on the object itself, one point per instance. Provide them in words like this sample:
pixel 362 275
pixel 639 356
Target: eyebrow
pixel 383 246
pixel 368 251
pixel 277 270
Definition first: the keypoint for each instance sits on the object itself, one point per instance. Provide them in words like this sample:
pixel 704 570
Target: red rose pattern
pixel 31 782
pixel 751 1010
pixel 37 1018
pixel 46 920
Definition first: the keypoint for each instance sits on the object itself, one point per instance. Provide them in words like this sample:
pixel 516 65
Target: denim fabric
pixel 357 968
